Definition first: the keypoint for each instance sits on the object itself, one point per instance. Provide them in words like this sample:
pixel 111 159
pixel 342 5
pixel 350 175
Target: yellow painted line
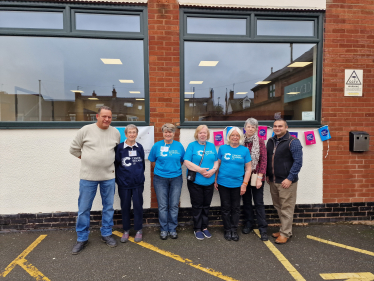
pixel 21 261
pixel 359 276
pixel 294 273
pixel 33 271
pixel 341 245
pixel 178 258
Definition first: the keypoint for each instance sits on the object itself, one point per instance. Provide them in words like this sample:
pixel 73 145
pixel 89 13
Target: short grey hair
pixel 240 132
pixel 103 108
pixel 251 121
pixel 131 126
pixel 168 127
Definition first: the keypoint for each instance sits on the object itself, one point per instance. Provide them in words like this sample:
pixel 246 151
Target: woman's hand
pixel 202 171
pixel 258 183
pixel 208 174
pixel 243 188
pixel 216 185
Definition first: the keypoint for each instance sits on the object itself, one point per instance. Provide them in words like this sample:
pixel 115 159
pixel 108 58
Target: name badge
pixel 164 148
pixel 132 153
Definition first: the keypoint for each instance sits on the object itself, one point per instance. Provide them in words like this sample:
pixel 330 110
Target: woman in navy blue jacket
pixel 130 168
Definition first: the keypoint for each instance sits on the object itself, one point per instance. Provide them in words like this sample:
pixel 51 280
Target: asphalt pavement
pixel 313 250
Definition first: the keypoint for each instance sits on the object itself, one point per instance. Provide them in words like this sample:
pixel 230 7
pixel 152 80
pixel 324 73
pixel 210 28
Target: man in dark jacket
pixel 129 162
pixel 285 158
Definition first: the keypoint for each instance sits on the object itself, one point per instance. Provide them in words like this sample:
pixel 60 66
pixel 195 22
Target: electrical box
pixel 359 141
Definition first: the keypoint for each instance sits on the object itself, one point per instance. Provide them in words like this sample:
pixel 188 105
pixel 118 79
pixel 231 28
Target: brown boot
pixel 281 240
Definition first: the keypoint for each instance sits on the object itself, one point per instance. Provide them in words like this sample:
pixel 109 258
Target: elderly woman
pixel 232 180
pixel 129 163
pixel 255 190
pixel 201 157
pixel 167 158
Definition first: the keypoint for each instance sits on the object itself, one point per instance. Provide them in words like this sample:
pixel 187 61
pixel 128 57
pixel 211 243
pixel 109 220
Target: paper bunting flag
pixel 262 132
pixel 228 130
pixel 294 134
pixel 324 133
pixel 218 138
pixel 309 137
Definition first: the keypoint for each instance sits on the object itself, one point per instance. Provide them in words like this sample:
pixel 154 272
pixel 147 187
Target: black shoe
pixel 173 235
pixel 234 235
pixel 247 229
pixel 79 246
pixel 227 235
pixel 264 236
pixel 109 240
pixel 164 235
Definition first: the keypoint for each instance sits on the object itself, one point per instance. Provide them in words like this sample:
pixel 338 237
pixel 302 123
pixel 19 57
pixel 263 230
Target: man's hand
pixel 286 183
pixel 268 180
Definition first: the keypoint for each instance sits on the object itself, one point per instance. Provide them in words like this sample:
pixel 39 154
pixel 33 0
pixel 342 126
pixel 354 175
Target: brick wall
pixel 304 213
pixel 163 32
pixel 349 44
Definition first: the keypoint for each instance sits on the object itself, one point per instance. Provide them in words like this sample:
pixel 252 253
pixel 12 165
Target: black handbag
pixel 191 175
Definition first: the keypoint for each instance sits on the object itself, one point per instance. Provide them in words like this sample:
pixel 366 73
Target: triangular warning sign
pixel 353 79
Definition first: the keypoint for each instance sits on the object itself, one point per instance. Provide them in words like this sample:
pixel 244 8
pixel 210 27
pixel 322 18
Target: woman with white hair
pixel 255 190
pixel 201 159
pixel 232 180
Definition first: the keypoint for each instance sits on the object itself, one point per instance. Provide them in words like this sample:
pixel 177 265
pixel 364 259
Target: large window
pixel 60 77
pixel 270 68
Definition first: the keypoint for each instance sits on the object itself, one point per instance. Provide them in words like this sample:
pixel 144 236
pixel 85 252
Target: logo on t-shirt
pixel 124 161
pixel 227 156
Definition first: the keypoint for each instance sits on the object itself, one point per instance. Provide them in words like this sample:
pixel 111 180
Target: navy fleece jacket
pixel 129 169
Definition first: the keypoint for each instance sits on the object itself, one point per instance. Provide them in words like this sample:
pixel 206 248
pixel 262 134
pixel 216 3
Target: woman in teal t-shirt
pixel 167 158
pixel 232 180
pixel 201 190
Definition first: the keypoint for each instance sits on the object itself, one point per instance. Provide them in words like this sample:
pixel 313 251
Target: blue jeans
pixel 168 193
pixel 87 193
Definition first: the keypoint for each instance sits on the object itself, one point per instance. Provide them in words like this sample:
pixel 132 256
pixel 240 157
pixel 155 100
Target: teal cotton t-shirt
pixel 194 153
pixel 168 158
pixel 232 169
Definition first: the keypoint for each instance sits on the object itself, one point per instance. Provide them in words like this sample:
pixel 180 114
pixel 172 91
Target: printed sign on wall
pixel 262 132
pixel 353 82
pixel 218 138
pixel 146 137
pixel 309 137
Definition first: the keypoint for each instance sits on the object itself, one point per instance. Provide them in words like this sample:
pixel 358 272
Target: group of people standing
pixel 238 170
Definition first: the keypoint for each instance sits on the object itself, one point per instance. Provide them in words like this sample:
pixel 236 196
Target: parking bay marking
pixel 340 245
pixel 22 262
pixel 293 271
pixel 357 276
pixel 179 258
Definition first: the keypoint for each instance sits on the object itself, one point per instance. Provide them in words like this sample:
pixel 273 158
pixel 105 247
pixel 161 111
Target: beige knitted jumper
pixel 96 148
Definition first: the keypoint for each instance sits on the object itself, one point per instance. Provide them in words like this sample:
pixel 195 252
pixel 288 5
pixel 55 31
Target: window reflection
pixel 285 28
pixel 249 80
pixel 42 20
pixel 56 79
pixel 216 26
pixel 102 22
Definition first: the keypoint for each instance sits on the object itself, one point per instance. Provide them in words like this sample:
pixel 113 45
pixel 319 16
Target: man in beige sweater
pixel 94 145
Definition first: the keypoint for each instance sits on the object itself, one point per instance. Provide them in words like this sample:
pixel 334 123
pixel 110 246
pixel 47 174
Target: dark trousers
pixel 137 199
pixel 201 197
pixel 230 206
pixel 258 199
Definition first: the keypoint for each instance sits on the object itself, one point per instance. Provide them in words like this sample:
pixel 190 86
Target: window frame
pixel 252 37
pixel 69 32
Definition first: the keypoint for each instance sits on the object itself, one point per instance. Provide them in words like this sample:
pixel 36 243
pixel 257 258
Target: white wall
pixel 310 188
pixel 38 174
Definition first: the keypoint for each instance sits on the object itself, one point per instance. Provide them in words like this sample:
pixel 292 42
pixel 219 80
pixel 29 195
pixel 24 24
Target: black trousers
pixel 258 199
pixel 136 194
pixel 230 206
pixel 201 198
